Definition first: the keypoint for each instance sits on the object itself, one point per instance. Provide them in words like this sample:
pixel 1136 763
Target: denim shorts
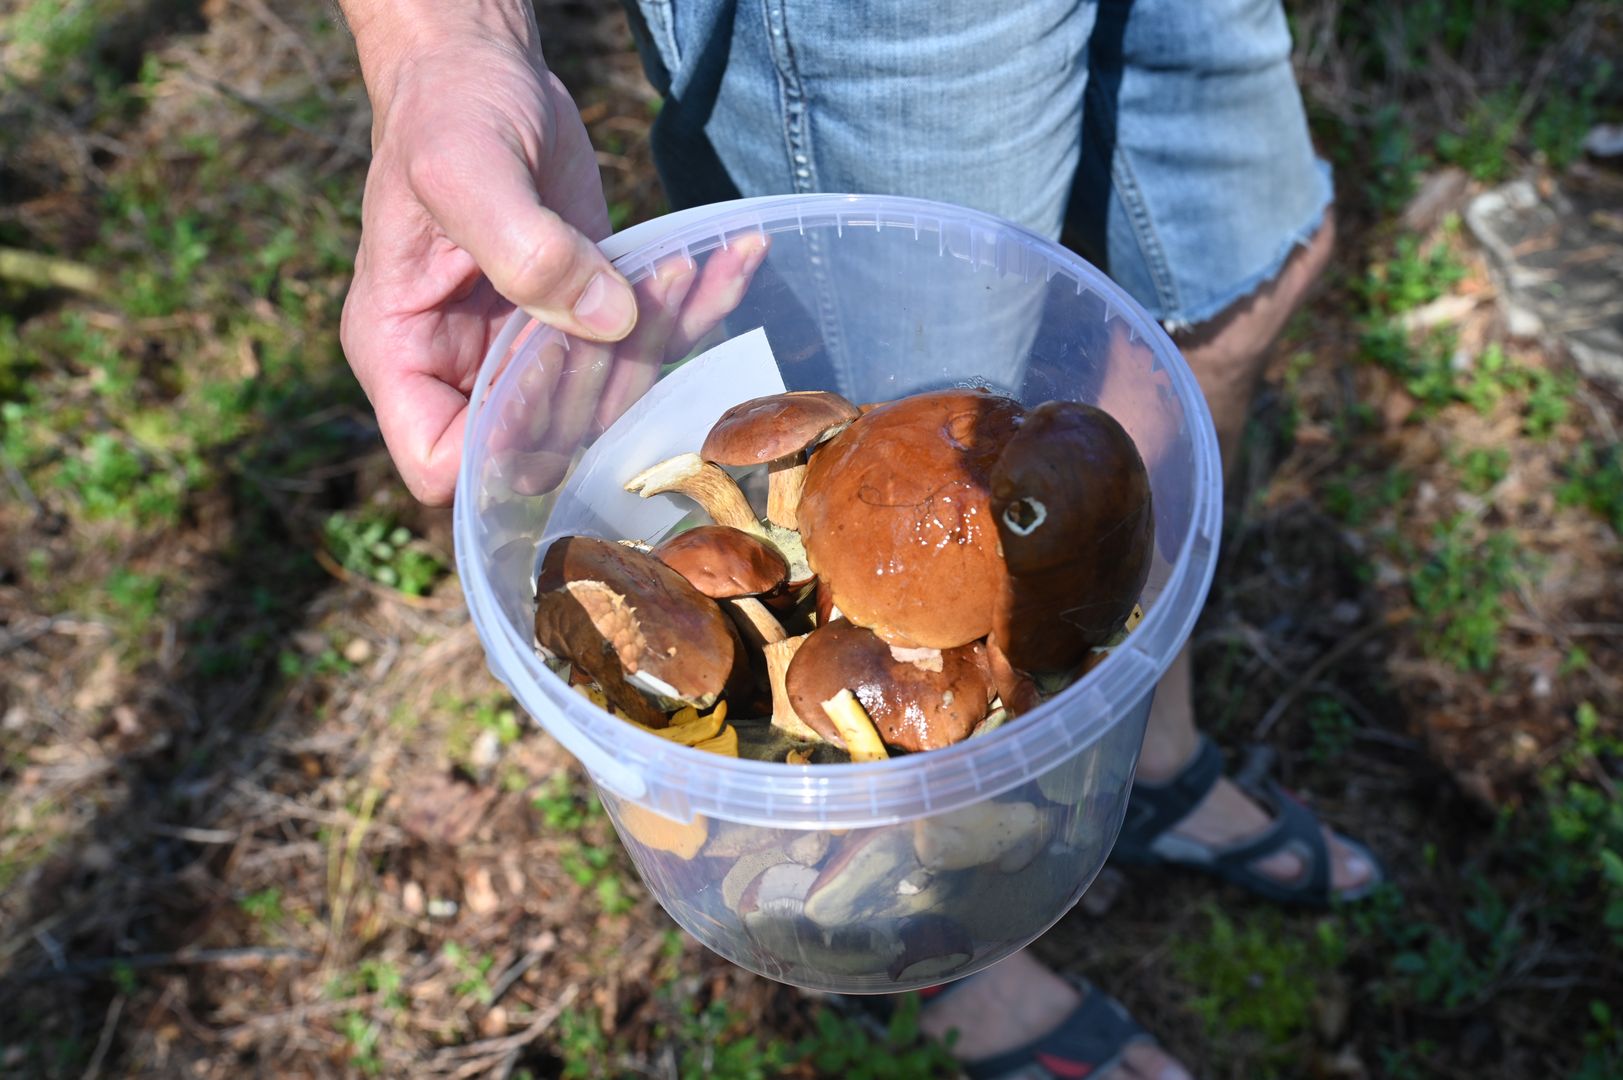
pixel 1164 140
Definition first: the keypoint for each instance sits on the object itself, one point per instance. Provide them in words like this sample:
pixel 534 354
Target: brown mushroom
pixel 896 517
pixel 1017 690
pixel 933 947
pixel 1071 500
pixel 651 640
pixel 918 700
pixel 723 562
pixel 777 431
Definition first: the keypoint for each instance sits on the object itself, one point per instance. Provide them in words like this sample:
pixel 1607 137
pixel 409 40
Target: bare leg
pixel 1228 355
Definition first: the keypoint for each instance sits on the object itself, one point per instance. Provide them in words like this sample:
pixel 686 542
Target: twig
pixel 349 577
pixel 512 975
pixel 196 836
pixel 141 961
pixel 1311 675
pixel 482 1052
pixel 48 271
pixel 106 1041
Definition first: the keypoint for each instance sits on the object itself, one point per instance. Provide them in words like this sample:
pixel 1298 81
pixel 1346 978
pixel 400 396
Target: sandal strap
pixel 1155 807
pixel 1089 1041
pixel 1294 828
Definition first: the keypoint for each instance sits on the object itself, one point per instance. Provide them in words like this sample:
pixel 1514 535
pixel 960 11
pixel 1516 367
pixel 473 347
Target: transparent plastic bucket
pixel 927 867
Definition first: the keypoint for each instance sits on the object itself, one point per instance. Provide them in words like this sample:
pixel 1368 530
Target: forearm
pixel 389 32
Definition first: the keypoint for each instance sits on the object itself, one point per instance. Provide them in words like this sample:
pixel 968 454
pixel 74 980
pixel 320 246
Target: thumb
pixel 531 255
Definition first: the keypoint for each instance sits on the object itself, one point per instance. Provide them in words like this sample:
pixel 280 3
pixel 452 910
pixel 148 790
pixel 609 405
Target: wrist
pixel 390 33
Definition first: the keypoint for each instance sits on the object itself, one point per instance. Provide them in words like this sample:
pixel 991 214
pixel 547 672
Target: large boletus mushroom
pixel 939 518
pixel 651 640
pixel 896 519
pixel 777 431
pixel 917 699
pixel 1071 499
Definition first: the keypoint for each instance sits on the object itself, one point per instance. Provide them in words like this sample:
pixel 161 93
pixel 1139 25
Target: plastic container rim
pixel 853 795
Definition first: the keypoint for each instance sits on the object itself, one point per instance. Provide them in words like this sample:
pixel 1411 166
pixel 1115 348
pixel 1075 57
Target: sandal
pixel 1156 808
pixel 1088 1042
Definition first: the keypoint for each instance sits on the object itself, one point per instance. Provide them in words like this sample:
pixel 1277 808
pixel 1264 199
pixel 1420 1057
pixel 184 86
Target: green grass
pixel 1459 591
pixel 1257 975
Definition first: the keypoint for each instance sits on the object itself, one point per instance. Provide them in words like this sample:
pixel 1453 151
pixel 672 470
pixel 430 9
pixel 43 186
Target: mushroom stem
pixel 851 721
pixel 778 654
pixel 755 621
pixel 705 484
pixel 784 479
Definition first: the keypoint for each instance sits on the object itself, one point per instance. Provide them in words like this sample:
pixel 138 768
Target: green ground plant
pixel 1257 977
pixel 382 551
pixel 1594 480
pixel 1459 590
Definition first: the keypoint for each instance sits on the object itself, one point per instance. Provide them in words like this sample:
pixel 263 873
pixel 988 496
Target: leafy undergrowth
pixel 263 809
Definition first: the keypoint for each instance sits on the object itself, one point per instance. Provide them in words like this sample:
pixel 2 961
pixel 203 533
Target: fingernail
pixel 753 260
pixel 606 308
pixel 1172 1072
pixel 1358 868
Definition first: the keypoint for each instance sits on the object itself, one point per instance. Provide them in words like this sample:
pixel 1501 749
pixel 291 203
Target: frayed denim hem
pixel 1188 320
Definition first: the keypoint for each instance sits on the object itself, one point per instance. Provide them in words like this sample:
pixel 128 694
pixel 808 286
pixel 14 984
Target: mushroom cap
pixel 896 516
pixel 767 428
pixel 633 624
pixel 723 562
pixel 921 704
pixel 1071 502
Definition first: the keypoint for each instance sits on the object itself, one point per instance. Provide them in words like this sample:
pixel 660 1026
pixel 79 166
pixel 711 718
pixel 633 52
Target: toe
pixel 1146 1061
pixel 1349 868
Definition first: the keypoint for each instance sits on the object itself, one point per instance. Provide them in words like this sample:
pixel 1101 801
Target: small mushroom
pixel 724 562
pixel 933 947
pixel 862 879
pixel 652 641
pixel 1008 834
pixel 779 890
pixel 777 430
pixel 1071 500
pixel 742 874
pixel 705 484
pixel 920 699
pixel 730 840
pixel 808 848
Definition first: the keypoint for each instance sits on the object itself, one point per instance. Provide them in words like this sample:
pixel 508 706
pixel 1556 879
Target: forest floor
pixel 264 811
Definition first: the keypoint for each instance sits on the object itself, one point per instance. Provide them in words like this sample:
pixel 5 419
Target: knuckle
pixel 543 268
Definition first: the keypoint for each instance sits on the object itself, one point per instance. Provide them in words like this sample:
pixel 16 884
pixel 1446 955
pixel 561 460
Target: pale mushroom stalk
pixel 778 654
pixel 756 622
pixel 850 719
pixel 704 483
pixel 785 477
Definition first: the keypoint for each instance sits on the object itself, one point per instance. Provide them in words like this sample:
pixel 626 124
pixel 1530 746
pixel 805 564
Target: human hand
pixel 483 194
